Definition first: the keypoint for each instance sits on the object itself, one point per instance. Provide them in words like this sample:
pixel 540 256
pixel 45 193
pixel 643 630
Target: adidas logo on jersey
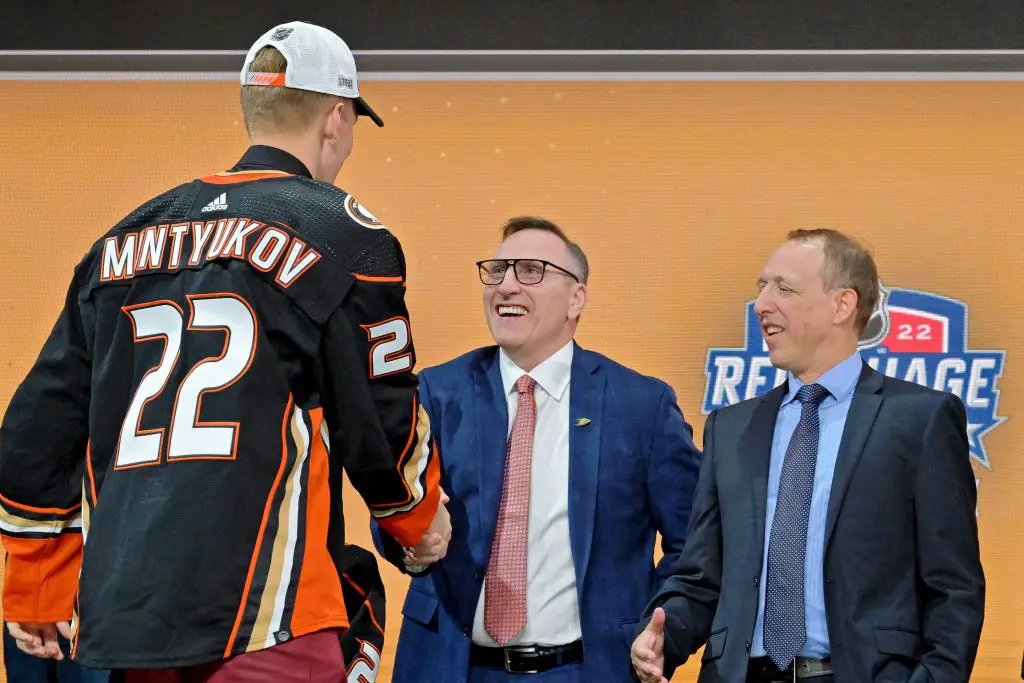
pixel 218 204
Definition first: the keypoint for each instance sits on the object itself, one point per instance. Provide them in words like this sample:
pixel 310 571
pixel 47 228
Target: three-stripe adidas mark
pixel 219 203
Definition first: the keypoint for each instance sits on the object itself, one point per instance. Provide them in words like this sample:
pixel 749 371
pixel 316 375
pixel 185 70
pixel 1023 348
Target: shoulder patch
pixel 359 214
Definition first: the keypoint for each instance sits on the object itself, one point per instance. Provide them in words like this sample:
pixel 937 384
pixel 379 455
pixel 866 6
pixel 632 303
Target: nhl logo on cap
pixel 282 33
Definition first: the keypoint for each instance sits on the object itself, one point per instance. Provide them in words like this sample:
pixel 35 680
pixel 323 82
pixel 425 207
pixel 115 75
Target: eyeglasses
pixel 528 271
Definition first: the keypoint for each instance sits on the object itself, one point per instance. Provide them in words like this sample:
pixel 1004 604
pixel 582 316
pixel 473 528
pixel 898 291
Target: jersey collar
pixel 264 157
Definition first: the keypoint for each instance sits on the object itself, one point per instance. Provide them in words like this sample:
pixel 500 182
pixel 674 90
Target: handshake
pixel 434 545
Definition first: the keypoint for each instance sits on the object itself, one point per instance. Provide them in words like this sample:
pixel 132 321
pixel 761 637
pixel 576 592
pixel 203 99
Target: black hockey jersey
pixel 223 353
pixel 362 644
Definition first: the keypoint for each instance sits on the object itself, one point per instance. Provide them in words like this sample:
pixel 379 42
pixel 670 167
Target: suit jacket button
pixel 747 645
pixel 757 581
pixel 477 576
pixel 465 631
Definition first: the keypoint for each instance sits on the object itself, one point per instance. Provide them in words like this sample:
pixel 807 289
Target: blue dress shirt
pixel 840 381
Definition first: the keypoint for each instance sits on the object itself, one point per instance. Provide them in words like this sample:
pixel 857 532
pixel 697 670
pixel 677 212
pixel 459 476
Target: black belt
pixel 763 670
pixel 526 659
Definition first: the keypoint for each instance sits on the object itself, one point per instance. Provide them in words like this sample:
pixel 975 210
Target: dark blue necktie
pixel 784 629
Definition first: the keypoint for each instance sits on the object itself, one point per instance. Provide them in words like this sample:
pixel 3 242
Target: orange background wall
pixel 678 191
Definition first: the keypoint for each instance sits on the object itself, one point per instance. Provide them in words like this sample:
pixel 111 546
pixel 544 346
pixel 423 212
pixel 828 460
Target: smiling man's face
pixel 796 313
pixel 531 322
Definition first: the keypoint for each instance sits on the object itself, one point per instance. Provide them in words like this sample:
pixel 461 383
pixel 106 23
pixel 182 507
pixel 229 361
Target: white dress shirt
pixel 552 610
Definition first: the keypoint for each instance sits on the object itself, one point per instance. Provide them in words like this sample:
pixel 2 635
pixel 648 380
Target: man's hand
pixel 434 544
pixel 40 639
pixel 648 651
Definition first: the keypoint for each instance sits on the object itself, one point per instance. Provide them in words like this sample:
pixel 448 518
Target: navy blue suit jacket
pixel 633 470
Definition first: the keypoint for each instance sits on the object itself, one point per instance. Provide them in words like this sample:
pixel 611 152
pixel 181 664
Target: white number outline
pixel 132 436
pixel 205 432
pixel 173 335
pixel 392 337
pixel 366 666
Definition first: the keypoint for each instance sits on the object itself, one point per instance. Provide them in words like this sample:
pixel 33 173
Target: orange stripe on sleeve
pixel 46 511
pixel 408 527
pixel 355 586
pixel 379 278
pixel 88 464
pixel 407 465
pixel 41 578
pixel 412 441
pixel 373 617
pixel 369 603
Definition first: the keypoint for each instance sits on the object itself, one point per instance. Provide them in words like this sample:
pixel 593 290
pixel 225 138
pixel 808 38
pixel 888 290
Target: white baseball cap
pixel 318 60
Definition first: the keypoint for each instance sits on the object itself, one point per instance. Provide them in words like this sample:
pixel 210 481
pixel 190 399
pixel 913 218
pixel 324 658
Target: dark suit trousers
pixel 763 671
pixel 818 679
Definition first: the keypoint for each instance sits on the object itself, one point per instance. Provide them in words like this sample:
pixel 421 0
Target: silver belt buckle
pixel 810 668
pixel 530 649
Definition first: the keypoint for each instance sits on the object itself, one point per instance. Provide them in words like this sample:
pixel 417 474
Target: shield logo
pixel 879 323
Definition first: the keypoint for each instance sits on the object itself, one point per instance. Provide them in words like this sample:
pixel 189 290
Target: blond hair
pixel 848 265
pixel 276 109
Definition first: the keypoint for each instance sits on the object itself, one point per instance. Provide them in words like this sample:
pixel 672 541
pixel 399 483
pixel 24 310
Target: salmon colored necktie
pixel 505 601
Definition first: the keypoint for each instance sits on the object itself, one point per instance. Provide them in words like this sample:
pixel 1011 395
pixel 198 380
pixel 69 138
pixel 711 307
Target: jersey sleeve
pixel 372 405
pixel 43 450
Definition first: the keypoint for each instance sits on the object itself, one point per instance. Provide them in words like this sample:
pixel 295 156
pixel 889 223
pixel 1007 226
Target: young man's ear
pixel 330 122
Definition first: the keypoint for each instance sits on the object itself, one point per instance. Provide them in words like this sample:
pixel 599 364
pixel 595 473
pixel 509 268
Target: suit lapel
pixel 863 409
pixel 492 439
pixel 586 404
pixel 756 450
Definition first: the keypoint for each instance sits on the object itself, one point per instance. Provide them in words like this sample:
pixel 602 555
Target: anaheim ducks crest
pixel 359 214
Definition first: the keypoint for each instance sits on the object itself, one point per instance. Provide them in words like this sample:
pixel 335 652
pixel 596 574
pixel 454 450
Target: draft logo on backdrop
pixel 916 336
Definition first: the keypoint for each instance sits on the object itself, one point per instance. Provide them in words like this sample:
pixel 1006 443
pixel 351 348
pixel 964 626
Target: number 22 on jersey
pixel 366 666
pixel 187 438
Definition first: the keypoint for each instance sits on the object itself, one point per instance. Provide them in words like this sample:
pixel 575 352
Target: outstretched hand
pixel 648 651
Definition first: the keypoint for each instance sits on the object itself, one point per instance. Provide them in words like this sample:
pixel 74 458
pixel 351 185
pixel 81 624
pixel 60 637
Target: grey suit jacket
pixel 904 588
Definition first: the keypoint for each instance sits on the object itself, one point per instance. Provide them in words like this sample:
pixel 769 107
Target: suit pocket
pixel 897 641
pixel 715 646
pixel 420 607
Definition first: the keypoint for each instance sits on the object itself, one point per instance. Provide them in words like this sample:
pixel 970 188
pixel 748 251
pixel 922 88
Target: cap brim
pixel 363 109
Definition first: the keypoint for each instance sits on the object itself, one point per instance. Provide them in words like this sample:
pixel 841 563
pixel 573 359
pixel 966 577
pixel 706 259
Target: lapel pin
pixel 582 421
